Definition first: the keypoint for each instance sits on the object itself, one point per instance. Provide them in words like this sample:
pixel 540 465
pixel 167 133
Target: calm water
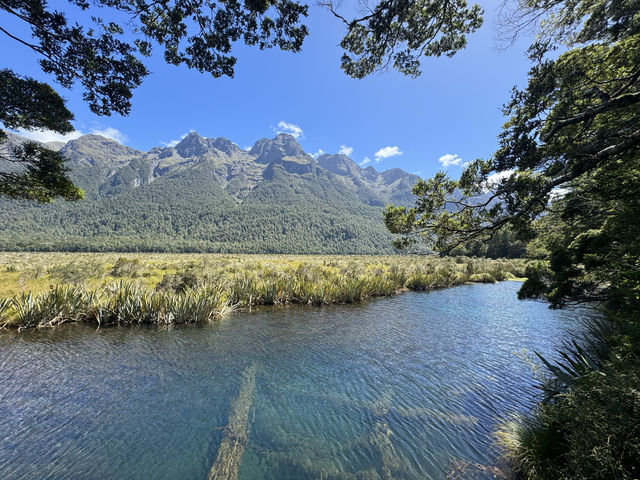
pixel 400 387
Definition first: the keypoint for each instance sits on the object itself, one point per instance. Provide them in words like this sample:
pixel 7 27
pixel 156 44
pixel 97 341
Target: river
pixel 405 387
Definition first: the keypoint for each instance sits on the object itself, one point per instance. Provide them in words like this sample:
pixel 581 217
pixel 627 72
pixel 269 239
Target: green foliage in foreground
pixel 589 426
pixel 109 290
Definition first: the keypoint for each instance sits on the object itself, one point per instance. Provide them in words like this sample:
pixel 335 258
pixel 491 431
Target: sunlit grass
pixel 44 289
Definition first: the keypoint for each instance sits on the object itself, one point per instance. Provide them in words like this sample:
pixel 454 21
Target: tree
pixel 400 32
pixel 108 62
pixel 33 171
pixel 568 154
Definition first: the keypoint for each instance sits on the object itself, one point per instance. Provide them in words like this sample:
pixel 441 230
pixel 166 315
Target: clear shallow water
pixel 396 387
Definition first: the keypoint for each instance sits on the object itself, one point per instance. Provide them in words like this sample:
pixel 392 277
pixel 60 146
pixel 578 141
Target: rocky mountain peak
pixel 192 145
pixel 225 145
pixel 282 145
pixel 395 174
pixel 338 164
pixel 98 150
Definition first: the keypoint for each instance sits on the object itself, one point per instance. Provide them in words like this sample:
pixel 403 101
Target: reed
pixel 122 303
pixel 157 289
pixel 59 305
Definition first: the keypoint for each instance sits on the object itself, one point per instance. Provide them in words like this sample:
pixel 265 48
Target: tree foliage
pixel 400 32
pixel 33 171
pixel 107 60
pixel 567 157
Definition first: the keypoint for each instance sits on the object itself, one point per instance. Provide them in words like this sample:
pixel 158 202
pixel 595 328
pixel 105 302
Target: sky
pixel 449 115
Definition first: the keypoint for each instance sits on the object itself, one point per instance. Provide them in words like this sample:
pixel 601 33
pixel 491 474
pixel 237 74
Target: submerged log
pixel 381 440
pixel 229 458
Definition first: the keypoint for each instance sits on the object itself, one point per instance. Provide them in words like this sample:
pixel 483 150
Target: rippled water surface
pixel 403 387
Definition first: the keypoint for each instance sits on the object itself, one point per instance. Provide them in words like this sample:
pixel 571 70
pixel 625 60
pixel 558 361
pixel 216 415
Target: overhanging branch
pixel 617 102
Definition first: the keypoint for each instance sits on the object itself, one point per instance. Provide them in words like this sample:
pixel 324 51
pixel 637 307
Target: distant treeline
pixel 500 246
pixel 503 244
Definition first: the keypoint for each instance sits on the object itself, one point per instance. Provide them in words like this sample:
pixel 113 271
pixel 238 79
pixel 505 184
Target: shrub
pixel 125 267
pixel 482 278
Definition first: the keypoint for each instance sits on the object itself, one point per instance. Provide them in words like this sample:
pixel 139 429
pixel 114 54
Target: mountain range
pixel 209 195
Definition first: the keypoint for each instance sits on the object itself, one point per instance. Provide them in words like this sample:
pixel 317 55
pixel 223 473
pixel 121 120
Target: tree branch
pixel 35 48
pixel 617 102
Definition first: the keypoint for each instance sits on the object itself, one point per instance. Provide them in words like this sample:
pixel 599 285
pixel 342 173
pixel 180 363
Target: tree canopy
pixel 33 171
pixel 400 32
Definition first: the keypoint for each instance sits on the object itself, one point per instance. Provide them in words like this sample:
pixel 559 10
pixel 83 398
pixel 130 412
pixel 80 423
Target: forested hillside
pixel 207 194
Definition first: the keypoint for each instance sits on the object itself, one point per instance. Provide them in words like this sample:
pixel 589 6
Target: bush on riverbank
pixel 161 289
pixel 589 426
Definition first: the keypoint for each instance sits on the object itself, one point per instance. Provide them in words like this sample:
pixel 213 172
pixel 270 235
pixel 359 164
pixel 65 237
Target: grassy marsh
pixel 46 289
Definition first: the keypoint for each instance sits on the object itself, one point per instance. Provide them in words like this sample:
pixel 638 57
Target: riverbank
pixel 47 289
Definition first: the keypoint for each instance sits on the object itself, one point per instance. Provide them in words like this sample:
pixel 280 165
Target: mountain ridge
pixel 208 194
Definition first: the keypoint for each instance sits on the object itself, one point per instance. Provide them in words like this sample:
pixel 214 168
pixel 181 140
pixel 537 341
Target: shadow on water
pixel 407 387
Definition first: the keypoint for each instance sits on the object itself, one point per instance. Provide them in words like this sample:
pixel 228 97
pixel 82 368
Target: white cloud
pixel 49 136
pixel 498 176
pixel 246 148
pixel 387 152
pixel 294 130
pixel 449 159
pixel 173 143
pixel 366 161
pixel 318 153
pixel 110 132
pixel 344 150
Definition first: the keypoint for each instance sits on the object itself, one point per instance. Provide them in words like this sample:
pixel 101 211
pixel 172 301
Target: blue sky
pixel 450 114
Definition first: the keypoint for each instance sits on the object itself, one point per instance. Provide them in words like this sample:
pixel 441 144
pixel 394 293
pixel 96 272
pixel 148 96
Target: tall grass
pixel 174 289
pixel 120 304
pixel 59 305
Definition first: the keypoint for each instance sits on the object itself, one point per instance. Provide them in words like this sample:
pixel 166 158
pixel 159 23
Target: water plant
pixel 172 289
